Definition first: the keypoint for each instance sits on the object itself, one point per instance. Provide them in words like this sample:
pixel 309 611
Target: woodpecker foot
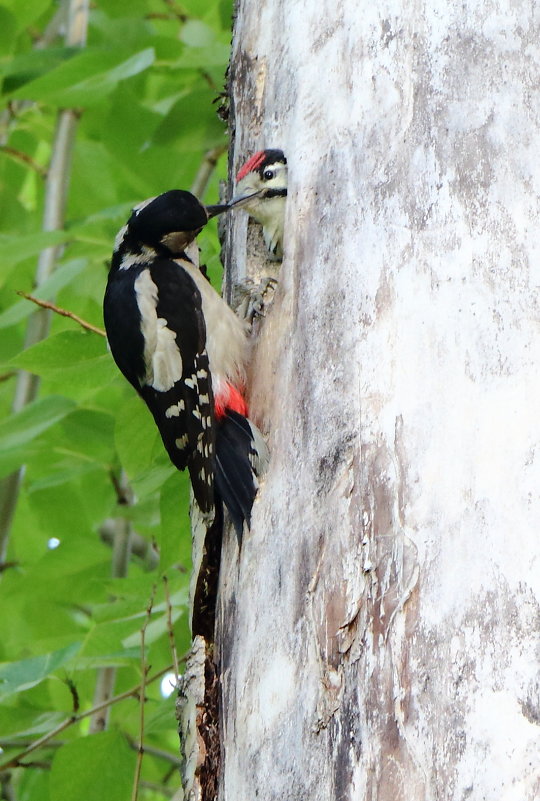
pixel 252 298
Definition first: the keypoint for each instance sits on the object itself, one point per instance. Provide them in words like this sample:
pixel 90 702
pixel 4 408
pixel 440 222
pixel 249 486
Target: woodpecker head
pixel 261 189
pixel 162 226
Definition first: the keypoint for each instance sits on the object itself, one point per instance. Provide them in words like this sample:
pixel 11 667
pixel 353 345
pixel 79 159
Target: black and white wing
pixel 157 336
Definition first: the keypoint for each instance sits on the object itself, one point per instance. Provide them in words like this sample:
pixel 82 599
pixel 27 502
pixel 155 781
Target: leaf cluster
pixel 144 88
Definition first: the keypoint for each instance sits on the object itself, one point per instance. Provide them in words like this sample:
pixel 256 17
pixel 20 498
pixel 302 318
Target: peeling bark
pixel 378 634
pixel 198 716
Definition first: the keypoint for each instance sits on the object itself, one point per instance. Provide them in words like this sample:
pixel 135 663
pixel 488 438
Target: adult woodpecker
pixel 183 350
pixel 261 189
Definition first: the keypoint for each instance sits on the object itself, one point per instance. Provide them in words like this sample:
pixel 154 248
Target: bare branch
pixel 47 304
pixel 170 628
pixel 18 155
pixel 208 165
pixel 134 692
pixel 122 537
pixel 142 700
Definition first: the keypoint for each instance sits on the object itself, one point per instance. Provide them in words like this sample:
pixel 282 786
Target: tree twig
pixel 158 753
pixel 121 555
pixel 47 304
pixel 142 700
pixel 134 692
pixel 170 628
pixel 18 155
pixel 204 173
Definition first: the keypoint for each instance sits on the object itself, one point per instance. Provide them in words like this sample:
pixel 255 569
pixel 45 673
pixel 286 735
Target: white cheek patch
pixel 161 355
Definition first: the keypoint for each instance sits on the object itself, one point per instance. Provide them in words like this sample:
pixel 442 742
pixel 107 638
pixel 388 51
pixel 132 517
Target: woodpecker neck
pixel 270 214
pixel 130 252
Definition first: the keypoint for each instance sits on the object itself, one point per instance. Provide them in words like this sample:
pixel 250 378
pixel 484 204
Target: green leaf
pixel 18 676
pixel 28 66
pixel 215 55
pixel 11 460
pixel 135 436
pixel 60 351
pixel 85 78
pixel 93 768
pixel 197 34
pixel 83 381
pixel 175 539
pixel 145 123
pixel 8 26
pixel 14 249
pixel 61 277
pixel 25 13
pixel 20 428
pixel 205 131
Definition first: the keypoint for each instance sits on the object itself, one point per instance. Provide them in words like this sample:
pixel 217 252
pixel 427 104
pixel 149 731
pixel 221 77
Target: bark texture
pixel 378 634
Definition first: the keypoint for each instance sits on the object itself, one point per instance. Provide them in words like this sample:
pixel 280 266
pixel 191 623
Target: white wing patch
pixel 175 409
pixel 161 353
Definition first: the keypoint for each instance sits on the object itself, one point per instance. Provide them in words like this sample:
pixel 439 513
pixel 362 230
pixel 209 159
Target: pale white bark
pixel 379 634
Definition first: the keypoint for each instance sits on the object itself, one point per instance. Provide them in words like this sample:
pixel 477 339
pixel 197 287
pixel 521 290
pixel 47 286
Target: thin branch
pixel 121 556
pixel 24 158
pixel 134 692
pixel 179 12
pixel 158 753
pixel 105 681
pixel 46 304
pixel 124 493
pixel 204 173
pixel 6 788
pixel 142 700
pixel 41 765
pixel 74 694
pixel 158 788
pixel 8 565
pixel 140 547
pixel 170 628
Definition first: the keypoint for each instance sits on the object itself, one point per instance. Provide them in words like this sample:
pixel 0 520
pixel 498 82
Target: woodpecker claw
pixel 251 296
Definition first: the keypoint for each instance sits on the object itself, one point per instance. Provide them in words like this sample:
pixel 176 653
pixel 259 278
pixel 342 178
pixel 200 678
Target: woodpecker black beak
pixel 213 211
pixel 241 200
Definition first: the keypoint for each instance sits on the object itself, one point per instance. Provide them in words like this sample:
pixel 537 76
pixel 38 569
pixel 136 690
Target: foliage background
pixel 145 85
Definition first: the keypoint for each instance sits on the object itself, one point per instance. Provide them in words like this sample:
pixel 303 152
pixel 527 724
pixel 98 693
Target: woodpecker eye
pixel 268 175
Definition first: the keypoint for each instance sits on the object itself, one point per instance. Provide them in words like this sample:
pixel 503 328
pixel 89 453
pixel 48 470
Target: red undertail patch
pixel 230 399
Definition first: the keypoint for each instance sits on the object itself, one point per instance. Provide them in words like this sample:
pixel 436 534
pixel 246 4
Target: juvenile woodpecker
pixel 261 189
pixel 183 350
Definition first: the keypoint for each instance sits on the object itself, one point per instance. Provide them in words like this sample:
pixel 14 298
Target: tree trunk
pixel 377 633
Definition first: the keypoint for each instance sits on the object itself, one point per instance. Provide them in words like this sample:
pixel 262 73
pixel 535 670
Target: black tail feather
pixel 236 484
